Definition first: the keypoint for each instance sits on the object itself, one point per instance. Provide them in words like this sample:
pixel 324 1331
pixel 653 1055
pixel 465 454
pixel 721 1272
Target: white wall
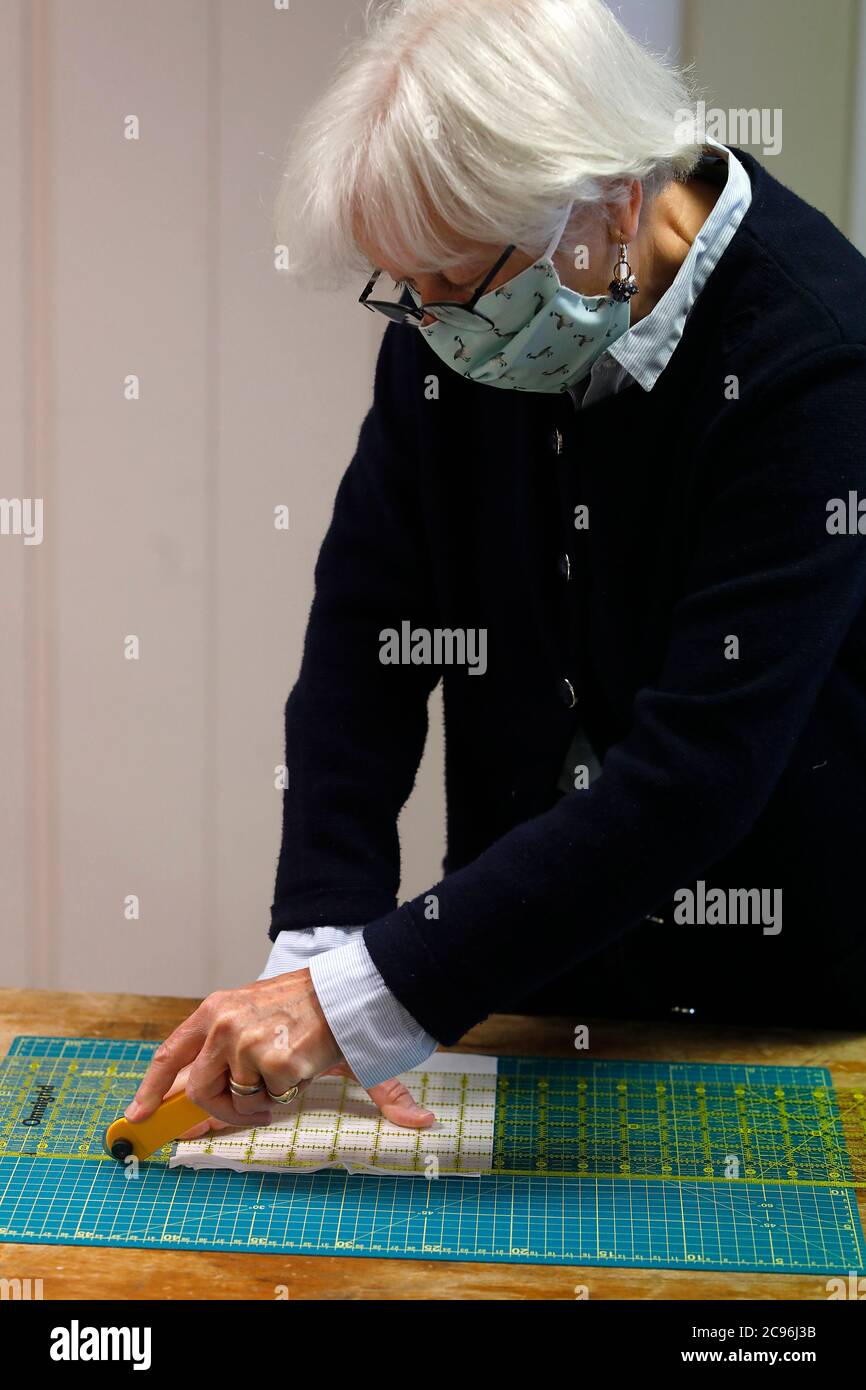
pixel 656 22
pixel 152 257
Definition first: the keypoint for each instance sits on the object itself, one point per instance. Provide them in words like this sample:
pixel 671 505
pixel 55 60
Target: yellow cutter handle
pixel 142 1139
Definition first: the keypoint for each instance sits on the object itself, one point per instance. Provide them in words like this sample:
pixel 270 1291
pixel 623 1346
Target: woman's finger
pixel 208 1087
pixel 267 1067
pixel 245 1073
pixel 395 1101
pixel 205 1127
pixel 398 1105
pixel 179 1083
pixel 179 1049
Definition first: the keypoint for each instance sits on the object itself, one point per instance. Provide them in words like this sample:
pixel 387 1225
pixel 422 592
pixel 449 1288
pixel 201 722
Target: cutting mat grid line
pixel 539 1217
pixel 668 1224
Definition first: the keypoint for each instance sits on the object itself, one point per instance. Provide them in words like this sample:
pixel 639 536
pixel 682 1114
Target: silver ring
pixel 238 1090
pixel 287 1097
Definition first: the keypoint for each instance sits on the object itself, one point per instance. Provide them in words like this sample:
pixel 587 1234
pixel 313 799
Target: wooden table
pixel 73 1271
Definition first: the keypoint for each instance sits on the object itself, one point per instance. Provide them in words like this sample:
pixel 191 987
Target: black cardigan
pixel 708 504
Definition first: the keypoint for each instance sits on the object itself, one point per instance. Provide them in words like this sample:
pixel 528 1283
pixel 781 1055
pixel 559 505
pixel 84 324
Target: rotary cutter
pixel 123 1138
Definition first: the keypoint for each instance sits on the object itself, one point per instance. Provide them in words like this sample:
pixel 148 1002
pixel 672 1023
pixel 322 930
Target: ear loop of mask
pixel 558 234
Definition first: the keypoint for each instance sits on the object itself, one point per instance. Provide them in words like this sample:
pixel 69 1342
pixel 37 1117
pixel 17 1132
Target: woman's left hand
pixel 272 1030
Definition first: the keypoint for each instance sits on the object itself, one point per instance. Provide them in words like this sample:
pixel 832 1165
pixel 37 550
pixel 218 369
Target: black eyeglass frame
pixel 402 313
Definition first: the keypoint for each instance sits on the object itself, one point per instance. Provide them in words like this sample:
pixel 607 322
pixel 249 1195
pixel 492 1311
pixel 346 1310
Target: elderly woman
pixel 609 493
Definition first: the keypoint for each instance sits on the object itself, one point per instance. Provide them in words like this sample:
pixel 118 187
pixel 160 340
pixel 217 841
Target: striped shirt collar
pixel 643 352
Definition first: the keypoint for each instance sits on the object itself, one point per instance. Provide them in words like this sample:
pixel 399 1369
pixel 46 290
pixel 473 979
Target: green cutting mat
pixel 594 1163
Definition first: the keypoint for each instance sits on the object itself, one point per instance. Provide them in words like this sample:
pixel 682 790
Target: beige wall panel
pixel 133 267
pixel 790 54
pixel 19 564
pixel 295 380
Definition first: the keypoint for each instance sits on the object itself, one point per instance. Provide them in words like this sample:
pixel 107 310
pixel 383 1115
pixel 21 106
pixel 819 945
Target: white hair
pixel 478 120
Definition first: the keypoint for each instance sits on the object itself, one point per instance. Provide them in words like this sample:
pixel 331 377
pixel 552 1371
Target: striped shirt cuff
pixel 376 1035
pixel 292 949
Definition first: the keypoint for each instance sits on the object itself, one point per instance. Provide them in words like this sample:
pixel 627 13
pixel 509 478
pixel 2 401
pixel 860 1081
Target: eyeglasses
pixel 455 313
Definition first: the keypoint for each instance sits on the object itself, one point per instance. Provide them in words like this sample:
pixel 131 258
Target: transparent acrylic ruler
pixel 707 1121
pixel 595 1163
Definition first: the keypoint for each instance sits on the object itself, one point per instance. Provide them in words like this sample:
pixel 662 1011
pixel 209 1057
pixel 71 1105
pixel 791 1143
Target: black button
pixel 556 441
pixel 567 693
pixel 563 565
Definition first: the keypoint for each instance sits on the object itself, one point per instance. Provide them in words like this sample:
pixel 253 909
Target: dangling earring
pixel 623 285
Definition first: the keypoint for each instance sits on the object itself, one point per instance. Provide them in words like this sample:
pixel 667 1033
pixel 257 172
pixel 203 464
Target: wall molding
pixel 857 213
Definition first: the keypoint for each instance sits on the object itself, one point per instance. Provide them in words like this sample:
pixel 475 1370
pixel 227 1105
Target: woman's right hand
pixel 395 1102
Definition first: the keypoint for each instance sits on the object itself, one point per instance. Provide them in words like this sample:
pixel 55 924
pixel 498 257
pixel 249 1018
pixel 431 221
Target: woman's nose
pixel 428 294
pixel 429 289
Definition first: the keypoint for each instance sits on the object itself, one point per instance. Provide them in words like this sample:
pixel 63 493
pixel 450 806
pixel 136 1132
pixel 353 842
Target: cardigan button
pixel 563 566
pixel 566 693
pixel 556 441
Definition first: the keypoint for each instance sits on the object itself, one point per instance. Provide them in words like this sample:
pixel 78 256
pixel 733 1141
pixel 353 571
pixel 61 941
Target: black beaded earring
pixel 623 285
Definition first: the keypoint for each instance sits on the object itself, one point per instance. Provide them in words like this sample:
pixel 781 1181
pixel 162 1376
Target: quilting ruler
pixel 697 1165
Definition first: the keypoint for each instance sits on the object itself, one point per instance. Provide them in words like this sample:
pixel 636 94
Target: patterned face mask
pixel 545 337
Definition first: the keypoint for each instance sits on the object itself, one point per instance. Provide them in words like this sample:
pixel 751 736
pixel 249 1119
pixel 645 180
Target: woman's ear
pixel 625 217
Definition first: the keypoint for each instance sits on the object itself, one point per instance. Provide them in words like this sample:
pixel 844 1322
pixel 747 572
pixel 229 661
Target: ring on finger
pixel 238 1090
pixel 287 1096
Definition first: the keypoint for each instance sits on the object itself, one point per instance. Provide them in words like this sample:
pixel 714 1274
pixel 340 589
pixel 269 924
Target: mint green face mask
pixel 545 337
